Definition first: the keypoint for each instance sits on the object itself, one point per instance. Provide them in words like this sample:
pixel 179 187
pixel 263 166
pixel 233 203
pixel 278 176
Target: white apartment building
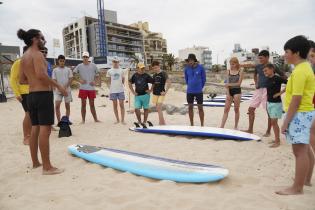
pixel 203 55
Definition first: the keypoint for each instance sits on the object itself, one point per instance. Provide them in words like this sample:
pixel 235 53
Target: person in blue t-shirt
pixel 195 77
pixel 49 66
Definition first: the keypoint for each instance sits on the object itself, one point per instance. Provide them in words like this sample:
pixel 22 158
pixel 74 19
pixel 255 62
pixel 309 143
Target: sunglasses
pixel 45 52
pixel 85 57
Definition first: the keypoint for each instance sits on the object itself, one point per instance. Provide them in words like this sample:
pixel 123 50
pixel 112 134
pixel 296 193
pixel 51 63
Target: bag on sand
pixel 3 98
pixel 64 125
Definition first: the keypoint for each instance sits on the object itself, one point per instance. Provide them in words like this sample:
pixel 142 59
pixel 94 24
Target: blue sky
pixel 216 24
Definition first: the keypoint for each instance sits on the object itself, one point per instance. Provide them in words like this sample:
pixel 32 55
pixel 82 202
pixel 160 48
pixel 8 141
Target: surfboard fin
pixel 150 123
pixel 137 125
pixel 143 125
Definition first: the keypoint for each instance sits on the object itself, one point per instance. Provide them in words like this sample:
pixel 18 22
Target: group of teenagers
pixel 37 90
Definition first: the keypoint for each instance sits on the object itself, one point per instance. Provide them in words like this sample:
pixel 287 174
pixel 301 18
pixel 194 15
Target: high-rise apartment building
pixel 155 46
pixel 83 35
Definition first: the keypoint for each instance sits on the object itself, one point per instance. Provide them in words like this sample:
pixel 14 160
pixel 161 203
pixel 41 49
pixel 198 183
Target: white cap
pixel 115 59
pixel 85 54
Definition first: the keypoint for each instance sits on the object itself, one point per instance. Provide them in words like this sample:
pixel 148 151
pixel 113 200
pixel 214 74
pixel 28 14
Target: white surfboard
pixel 221 133
pixel 150 166
pixel 222 99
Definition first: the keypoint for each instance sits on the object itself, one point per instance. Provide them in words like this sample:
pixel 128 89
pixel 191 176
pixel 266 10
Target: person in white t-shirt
pixel 117 80
pixel 63 76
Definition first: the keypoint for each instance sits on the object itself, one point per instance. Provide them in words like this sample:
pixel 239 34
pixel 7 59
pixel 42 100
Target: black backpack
pixel 3 98
pixel 64 125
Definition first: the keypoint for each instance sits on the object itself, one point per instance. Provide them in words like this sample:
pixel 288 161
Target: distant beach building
pixel 250 59
pixel 122 40
pixel 8 54
pixel 155 46
pixel 203 55
pixel 237 48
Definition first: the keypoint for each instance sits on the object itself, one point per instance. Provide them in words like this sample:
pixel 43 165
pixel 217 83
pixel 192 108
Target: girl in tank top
pixel 233 93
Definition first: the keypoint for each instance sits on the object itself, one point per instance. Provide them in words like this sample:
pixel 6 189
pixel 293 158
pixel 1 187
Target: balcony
pixel 124 42
pixel 114 34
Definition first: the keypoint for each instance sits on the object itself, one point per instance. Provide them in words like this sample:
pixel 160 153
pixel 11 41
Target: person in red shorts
pixel 88 73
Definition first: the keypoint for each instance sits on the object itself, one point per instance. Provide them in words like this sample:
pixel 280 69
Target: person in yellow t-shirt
pixel 311 58
pixel 300 112
pixel 21 92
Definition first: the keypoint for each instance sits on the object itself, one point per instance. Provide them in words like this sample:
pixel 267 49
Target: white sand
pixel 256 171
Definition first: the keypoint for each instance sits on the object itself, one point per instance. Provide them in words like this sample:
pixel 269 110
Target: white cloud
pixel 217 24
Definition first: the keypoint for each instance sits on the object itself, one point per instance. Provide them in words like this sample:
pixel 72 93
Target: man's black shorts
pixel 41 107
pixel 191 97
pixel 24 102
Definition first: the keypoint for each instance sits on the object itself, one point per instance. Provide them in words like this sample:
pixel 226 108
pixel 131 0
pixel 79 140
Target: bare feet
pixel 82 122
pixel 116 122
pixel 97 121
pixel 123 123
pixel 36 165
pixel 275 144
pixel 247 131
pixel 266 135
pixel 309 184
pixel 53 171
pixel 289 191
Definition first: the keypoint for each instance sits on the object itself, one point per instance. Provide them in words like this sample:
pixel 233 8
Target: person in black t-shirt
pixel 141 92
pixel 160 78
pixel 274 103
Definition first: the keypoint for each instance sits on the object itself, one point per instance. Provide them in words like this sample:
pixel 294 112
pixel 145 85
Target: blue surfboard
pixel 150 166
pixel 211 132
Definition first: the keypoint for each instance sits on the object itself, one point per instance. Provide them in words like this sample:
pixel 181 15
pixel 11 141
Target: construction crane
pixel 102 28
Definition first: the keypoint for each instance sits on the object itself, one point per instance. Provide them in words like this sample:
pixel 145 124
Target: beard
pixel 41 45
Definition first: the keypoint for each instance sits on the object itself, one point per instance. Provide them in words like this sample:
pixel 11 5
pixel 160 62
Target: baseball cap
pixel 140 65
pixel 115 59
pixel 85 54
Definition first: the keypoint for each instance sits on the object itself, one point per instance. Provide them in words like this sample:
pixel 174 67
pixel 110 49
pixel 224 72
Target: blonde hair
pixel 235 60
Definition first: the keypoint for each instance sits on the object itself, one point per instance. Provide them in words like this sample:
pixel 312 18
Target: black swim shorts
pixel 191 97
pixel 24 102
pixel 41 107
pixel 234 91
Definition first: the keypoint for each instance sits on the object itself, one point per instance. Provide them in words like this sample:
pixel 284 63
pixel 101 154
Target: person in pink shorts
pixel 260 94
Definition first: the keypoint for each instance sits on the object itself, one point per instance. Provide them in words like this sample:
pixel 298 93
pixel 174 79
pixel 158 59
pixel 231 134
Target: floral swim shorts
pixel 299 128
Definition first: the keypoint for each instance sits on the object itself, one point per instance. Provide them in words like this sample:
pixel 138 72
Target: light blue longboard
pixel 150 166
pixel 210 132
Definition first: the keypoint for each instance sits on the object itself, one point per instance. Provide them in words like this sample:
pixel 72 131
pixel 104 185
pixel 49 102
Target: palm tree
pixel 170 60
pixel 164 60
pixel 134 60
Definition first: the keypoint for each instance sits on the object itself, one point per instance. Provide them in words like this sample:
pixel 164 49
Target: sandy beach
pixel 256 170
